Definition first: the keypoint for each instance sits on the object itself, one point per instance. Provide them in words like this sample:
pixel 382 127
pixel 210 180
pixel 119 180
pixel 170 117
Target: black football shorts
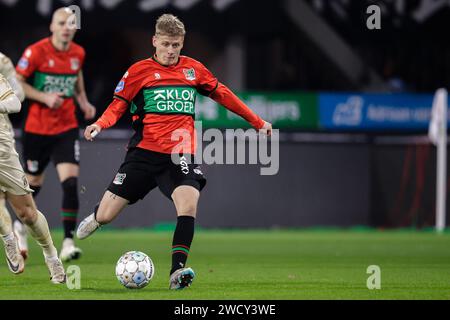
pixel 39 149
pixel 143 170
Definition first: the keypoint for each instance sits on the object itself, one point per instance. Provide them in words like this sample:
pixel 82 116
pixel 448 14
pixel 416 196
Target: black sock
pixel 69 210
pixel 95 210
pixel 182 238
pixel 69 227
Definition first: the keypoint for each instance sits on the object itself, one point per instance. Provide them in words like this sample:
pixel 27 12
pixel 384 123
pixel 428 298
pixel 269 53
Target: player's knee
pixel 187 207
pixel 104 216
pixel 70 184
pixel 70 197
pixel 26 213
pixel 106 211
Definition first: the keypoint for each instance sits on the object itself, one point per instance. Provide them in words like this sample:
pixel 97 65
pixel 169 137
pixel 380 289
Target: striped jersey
pixel 53 71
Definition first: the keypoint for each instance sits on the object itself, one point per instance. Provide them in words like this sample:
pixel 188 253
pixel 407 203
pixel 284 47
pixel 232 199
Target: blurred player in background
pixel 160 93
pixel 14 185
pixel 51 127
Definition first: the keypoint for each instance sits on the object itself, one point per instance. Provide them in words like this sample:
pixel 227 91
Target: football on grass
pixel 134 270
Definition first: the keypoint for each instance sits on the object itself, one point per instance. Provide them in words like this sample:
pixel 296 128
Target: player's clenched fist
pixel 54 100
pixel 266 129
pixel 88 110
pixel 91 131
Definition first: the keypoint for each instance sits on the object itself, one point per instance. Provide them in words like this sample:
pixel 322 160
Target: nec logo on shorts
pixel 119 178
pixel 32 165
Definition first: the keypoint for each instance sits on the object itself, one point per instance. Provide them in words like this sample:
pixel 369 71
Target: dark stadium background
pixel 357 180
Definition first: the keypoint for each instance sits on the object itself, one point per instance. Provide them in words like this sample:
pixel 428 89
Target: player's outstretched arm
pixel 109 118
pixel 266 129
pixel 224 96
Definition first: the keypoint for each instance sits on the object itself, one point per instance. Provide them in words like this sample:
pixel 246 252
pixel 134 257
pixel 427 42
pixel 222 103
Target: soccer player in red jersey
pixel 51 127
pixel 160 93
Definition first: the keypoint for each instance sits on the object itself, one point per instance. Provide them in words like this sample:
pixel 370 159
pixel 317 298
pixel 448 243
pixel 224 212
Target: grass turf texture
pixel 304 264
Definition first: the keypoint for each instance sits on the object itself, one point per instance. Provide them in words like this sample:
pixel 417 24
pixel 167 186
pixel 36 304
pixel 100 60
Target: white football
pixel 135 269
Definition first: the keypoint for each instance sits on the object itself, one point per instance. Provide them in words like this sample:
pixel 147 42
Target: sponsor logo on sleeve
pixel 23 63
pixel 120 86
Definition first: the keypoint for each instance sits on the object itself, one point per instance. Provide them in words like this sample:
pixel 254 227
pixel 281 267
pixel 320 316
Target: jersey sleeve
pixel 9 103
pixel 224 96
pixel 29 61
pixel 5 88
pixel 129 85
pixel 6 66
pixel 112 114
pixel 207 82
pixel 82 56
pixel 8 71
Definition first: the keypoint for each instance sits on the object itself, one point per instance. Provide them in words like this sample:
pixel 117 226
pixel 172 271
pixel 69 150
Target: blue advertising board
pixel 374 111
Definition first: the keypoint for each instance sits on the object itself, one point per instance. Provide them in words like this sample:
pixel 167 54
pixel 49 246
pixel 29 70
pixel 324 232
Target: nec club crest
pixel 189 73
pixel 74 64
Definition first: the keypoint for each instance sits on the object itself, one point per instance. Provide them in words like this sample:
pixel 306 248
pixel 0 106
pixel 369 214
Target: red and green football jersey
pixel 162 99
pixel 53 71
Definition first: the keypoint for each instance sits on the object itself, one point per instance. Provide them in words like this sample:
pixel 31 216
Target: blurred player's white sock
pixel 41 233
pixel 22 237
pixel 5 220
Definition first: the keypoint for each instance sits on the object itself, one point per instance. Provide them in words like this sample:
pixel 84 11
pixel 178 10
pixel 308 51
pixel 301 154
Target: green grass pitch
pixel 269 265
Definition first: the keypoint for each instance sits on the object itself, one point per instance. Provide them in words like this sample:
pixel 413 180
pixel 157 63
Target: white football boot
pixel 21 233
pixel 87 227
pixel 69 251
pixel 14 259
pixel 56 269
pixel 181 278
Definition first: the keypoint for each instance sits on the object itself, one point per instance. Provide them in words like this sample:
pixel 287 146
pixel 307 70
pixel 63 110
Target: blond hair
pixel 169 25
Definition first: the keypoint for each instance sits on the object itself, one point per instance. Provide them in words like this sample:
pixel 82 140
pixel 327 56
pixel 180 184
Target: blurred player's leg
pixel 5 217
pixel 185 199
pixel 109 208
pixel 68 173
pixel 37 226
pixel 13 257
pixel 19 229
